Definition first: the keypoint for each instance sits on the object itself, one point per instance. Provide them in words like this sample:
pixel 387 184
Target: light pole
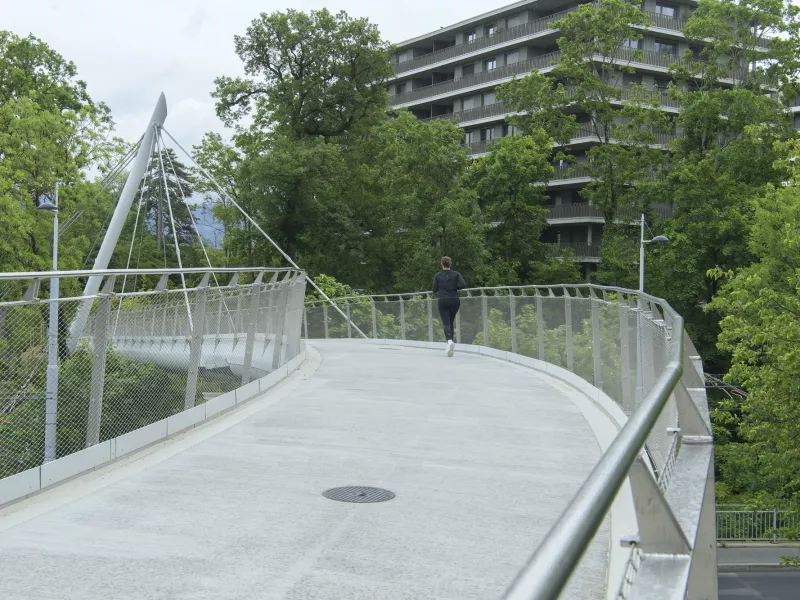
pixel 51 402
pixel 640 350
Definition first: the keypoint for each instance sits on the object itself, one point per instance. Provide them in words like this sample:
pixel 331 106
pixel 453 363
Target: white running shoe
pixel 451 347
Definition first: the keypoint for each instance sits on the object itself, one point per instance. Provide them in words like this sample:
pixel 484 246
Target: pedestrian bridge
pixel 564 451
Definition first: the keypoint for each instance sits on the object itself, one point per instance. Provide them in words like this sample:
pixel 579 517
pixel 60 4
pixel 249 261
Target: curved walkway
pixel 483 456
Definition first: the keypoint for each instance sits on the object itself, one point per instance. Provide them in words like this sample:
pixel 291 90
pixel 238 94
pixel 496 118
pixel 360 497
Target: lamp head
pixel 660 238
pixel 47 205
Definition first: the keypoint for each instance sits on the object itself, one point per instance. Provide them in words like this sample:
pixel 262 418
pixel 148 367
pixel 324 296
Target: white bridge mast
pixel 138 168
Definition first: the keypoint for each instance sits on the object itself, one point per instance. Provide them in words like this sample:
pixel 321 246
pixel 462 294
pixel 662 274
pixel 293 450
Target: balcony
pixel 520 32
pixel 586 212
pixel 495 75
pixel 583 251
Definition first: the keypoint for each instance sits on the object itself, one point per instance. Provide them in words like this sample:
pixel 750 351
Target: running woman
pixel 447 283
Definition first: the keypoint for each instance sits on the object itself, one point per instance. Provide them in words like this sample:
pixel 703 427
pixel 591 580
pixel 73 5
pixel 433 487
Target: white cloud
pixel 128 52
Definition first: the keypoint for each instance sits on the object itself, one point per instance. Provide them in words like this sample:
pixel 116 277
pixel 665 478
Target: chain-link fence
pixel 141 357
pixel 629 345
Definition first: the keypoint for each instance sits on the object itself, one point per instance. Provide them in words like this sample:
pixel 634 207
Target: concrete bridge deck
pixel 483 455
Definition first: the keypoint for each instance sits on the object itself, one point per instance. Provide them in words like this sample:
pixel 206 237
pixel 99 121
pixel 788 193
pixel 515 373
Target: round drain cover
pixel 358 494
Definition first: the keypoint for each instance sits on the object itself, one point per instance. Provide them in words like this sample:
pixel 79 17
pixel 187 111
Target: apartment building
pixel 452 74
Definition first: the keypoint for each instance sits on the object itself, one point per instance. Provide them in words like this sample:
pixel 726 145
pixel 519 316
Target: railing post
pixel 402 319
pixel 430 316
pixel 374 320
pixel 458 327
pixel 349 324
pixel 305 321
pixel 485 316
pixel 596 345
pixel 282 312
pixel 512 307
pixel 99 350
pixel 196 349
pixel 568 317
pixel 539 324
pixel 775 525
pixel 324 318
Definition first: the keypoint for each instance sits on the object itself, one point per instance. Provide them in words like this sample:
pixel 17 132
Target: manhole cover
pixel 358 494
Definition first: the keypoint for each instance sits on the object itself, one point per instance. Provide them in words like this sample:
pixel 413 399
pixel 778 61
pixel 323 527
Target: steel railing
pixel 632 347
pixel 176 340
pixel 734 523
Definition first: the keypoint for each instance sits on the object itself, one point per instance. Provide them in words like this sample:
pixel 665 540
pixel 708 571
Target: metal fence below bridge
pixel 735 524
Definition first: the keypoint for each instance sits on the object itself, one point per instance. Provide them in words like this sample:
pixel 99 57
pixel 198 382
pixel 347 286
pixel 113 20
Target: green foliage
pixel 760 327
pixel 310 74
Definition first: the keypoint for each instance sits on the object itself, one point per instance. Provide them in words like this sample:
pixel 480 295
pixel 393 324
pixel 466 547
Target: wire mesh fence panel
pixel 554 332
pixel 387 319
pixel 496 320
pixel 23 364
pixel 337 324
pixel 418 323
pixel 134 361
pixel 527 328
pixel 582 338
pixel 469 320
pixel 315 322
pixel 611 349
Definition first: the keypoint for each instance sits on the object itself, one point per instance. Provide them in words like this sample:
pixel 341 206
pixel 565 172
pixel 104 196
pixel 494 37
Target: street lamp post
pixel 640 370
pixel 51 395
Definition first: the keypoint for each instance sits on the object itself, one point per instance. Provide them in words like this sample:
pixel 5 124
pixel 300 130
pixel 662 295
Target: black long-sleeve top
pixel 447 283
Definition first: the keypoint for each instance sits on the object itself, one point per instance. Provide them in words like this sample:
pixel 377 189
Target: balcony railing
pixel 582 250
pixel 445 87
pixel 501 37
pixel 584 210
pixel 545 24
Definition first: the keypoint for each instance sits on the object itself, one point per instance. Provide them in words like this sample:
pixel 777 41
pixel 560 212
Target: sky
pixel 128 52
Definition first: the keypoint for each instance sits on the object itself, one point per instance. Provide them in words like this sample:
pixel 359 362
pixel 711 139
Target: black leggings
pixel 448 307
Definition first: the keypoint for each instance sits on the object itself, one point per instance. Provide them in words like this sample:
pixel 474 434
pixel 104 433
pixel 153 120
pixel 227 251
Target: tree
pixel 309 74
pixel 760 305
pixel 511 187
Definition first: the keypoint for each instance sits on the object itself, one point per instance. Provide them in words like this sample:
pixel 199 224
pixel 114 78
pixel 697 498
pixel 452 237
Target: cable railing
pixel 144 355
pixel 625 346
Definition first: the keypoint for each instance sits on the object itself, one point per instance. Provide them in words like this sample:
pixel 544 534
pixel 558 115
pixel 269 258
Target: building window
pixel 512 57
pixel 666 48
pixel 490 29
pixel 402 57
pixel 470 137
pixel 509 130
pixel 661 86
pixel 487 135
pixel 469 36
pixel 635 44
pixel 489 98
pixel 490 64
pixel 400 88
pixel 668 10
pixel 471 102
pixel 468 69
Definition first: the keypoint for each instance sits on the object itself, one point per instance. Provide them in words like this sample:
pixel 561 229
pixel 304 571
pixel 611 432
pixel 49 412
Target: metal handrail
pixel 107 272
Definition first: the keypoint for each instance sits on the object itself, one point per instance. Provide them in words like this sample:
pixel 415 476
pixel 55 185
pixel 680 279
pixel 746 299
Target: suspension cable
pixel 159 142
pixel 264 233
pixel 199 237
